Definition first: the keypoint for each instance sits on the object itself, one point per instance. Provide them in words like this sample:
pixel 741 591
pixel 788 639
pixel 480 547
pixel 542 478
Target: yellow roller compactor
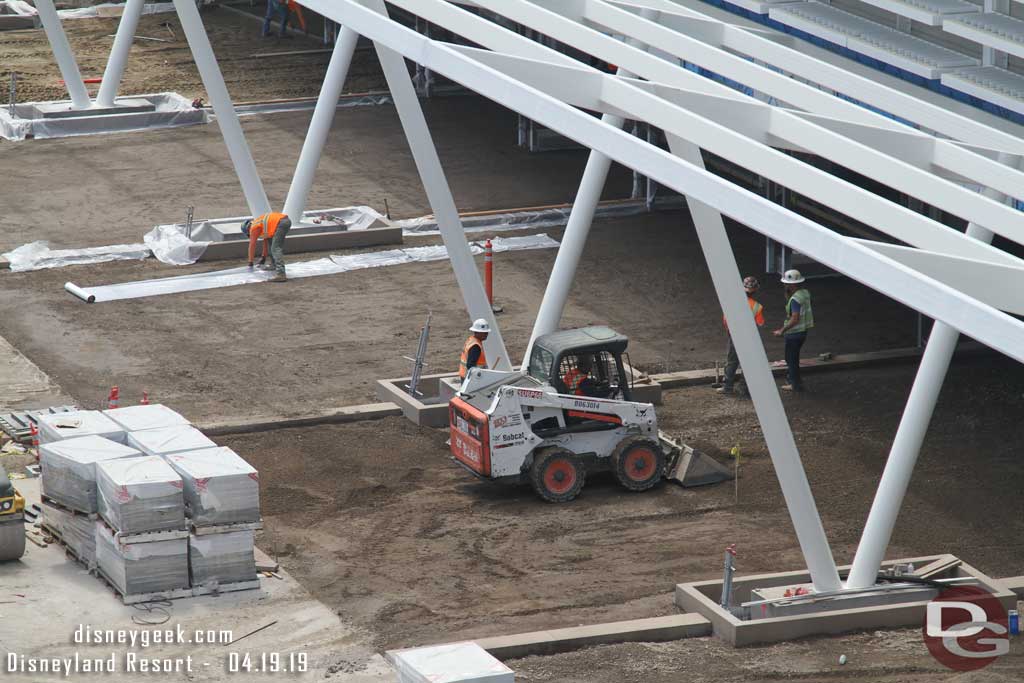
pixel 12 520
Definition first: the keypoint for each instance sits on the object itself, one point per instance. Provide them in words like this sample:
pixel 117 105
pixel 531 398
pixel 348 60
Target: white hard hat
pixel 792 277
pixel 481 325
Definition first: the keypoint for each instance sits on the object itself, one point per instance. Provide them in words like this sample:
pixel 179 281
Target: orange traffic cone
pixel 34 431
pixel 145 398
pixel 114 400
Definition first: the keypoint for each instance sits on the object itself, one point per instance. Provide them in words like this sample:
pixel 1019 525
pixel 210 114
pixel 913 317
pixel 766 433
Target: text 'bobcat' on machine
pixel 568 414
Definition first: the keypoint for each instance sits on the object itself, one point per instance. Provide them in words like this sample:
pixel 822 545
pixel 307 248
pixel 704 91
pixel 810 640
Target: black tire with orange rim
pixel 638 463
pixel 557 474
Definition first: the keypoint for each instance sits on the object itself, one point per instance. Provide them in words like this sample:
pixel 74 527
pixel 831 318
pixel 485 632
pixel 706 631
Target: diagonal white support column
pixel 119 53
pixel 577 229
pixel 758 375
pixel 906 446
pixel 439 194
pixel 223 107
pixel 62 52
pixel 320 124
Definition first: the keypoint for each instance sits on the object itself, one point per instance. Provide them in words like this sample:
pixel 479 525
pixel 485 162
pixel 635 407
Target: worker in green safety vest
pixel 799 319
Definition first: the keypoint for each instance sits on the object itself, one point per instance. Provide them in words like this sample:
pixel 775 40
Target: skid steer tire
pixel 557 475
pixel 638 463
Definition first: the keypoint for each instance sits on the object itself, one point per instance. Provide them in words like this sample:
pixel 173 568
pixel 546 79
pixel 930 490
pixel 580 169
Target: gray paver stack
pixel 175 511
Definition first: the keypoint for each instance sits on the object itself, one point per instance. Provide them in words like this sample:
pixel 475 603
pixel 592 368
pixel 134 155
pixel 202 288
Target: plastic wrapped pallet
pixel 78 532
pixel 61 426
pixel 218 559
pixel 451 663
pixel 69 469
pixel 141 494
pixel 137 418
pixel 169 440
pixel 220 487
pixel 135 568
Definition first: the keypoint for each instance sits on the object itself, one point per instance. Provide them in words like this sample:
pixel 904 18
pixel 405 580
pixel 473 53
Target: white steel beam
pixel 757 374
pixel 996 284
pixel 580 86
pixel 574 239
pixel 62 53
pixel 901 283
pixel 434 182
pixel 123 40
pixel 630 99
pixel 561 25
pixel 223 107
pixel 320 124
pixel 906 446
pixel 932 298
pixel 809 68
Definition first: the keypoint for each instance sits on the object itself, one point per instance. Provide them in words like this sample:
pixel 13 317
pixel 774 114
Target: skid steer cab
pixel 569 414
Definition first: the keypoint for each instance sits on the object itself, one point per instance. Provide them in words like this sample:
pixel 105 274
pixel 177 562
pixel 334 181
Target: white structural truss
pixel 945 160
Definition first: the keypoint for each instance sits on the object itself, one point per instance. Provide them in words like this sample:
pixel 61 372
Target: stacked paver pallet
pixel 150 502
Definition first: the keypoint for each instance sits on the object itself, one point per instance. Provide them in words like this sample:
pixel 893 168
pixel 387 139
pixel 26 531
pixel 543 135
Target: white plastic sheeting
pixel 94 11
pixel 39 255
pixel 136 418
pixel 553 217
pixel 141 494
pixel 218 559
pixel 169 244
pixel 166 441
pixel 220 487
pixel 61 426
pixel 172 110
pixel 142 567
pixel 19 7
pixel 323 266
pixel 69 469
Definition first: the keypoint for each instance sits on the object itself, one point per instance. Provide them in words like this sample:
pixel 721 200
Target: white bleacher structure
pixel 968 29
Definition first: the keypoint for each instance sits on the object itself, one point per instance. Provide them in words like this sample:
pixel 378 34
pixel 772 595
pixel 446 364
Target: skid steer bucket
pixel 689 467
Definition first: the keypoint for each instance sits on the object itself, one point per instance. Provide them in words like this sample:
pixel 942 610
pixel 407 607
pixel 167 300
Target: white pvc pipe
pixel 577 229
pixel 439 194
pixel 320 124
pixel 906 446
pixel 223 107
pixel 62 52
pixel 119 53
pixel 757 374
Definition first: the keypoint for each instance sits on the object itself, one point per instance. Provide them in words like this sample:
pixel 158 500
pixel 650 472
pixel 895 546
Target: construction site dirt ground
pixel 157 66
pixel 376 521
pixel 373 518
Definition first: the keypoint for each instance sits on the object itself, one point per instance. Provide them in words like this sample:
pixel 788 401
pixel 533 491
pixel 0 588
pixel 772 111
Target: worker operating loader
pixel 273 227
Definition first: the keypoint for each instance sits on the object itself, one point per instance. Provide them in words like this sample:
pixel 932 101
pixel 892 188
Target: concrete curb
pixel 845 361
pixel 655 629
pixel 371 411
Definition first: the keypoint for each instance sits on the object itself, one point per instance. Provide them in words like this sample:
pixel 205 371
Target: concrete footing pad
pixel 430 408
pixel 59 119
pixel 702 597
pixel 655 629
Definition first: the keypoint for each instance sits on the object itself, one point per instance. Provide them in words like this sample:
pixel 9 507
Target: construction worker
pixel 577 380
pixel 732 360
pixel 799 319
pixel 473 350
pixel 273 227
pixel 276 9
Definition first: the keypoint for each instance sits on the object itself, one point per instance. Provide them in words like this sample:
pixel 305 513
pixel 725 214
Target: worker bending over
pixel 799 319
pixel 473 350
pixel 732 360
pixel 273 227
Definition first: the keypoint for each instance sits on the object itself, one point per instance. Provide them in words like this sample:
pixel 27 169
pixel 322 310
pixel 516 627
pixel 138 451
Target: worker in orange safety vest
pixel 578 379
pixel 732 361
pixel 473 350
pixel 272 227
